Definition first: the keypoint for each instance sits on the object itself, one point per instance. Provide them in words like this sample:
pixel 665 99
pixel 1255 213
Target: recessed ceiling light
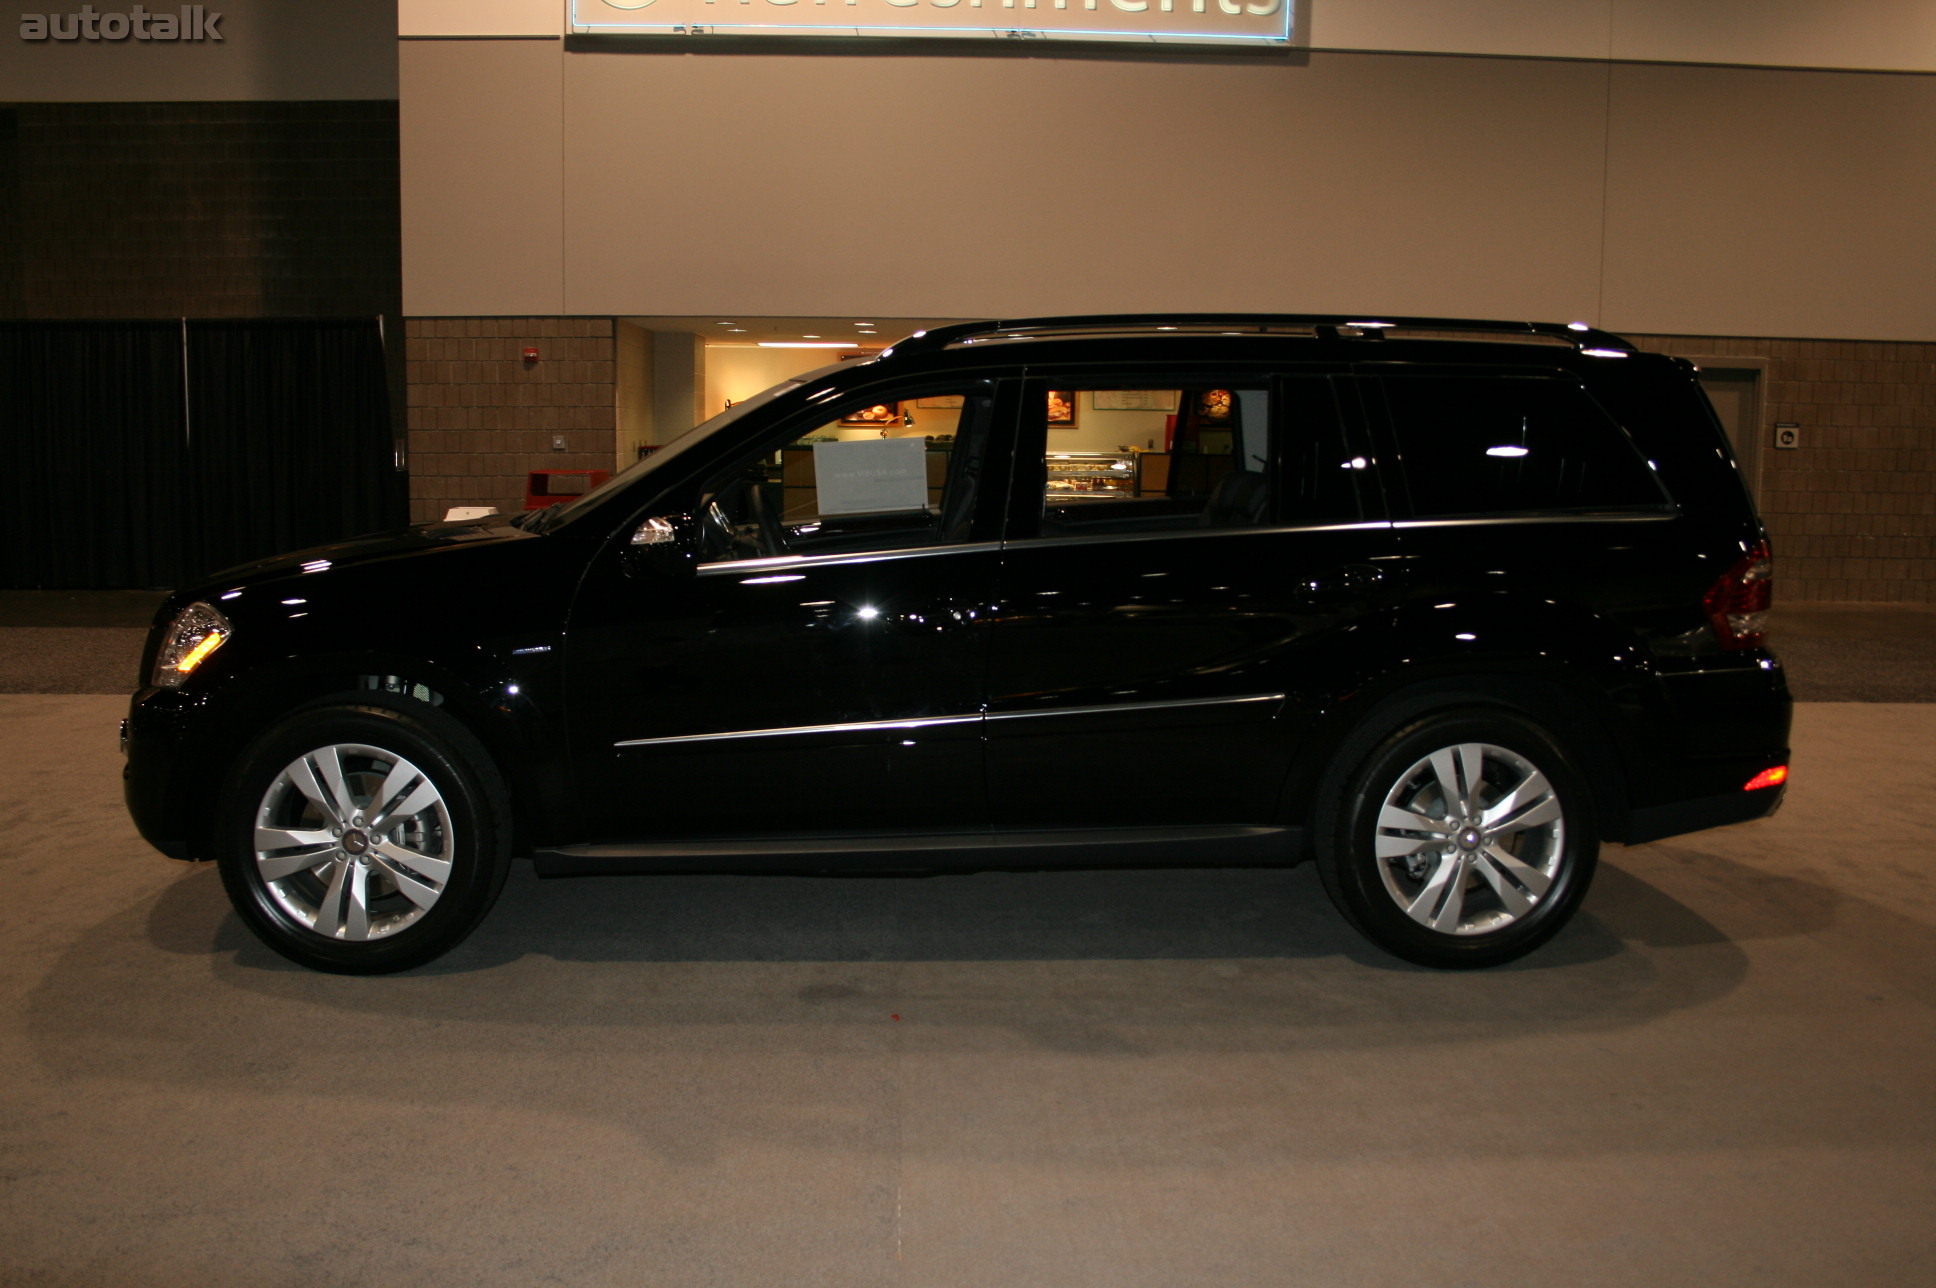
pixel 809 337
pixel 725 324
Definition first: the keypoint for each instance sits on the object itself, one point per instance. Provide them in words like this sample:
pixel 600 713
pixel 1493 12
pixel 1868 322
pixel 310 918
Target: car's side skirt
pixel 1138 847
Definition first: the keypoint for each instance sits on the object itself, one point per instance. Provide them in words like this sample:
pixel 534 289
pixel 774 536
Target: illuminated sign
pixel 1242 22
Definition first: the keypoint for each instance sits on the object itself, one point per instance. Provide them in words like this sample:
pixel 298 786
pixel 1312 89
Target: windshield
pixel 552 516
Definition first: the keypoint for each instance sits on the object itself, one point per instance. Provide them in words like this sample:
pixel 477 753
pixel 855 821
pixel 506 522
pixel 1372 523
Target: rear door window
pixel 1149 456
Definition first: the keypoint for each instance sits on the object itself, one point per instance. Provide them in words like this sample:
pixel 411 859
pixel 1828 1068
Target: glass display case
pixel 1077 475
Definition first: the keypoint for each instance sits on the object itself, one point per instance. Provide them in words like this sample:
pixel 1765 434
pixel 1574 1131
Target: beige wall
pixel 1668 199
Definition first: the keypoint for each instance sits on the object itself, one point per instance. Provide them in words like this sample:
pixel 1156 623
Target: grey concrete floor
pixel 1720 1074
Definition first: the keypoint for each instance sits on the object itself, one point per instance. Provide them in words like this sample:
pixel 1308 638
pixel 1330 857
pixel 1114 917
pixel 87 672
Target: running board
pixel 945 851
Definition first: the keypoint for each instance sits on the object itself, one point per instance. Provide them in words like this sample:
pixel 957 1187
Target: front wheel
pixel 364 839
pixel 1463 839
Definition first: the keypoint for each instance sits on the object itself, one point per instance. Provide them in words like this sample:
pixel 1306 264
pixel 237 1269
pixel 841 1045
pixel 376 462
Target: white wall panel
pixel 964 186
pixel 480 17
pixel 483 183
pixel 1659 199
pixel 1512 28
pixel 1777 203
pixel 1880 35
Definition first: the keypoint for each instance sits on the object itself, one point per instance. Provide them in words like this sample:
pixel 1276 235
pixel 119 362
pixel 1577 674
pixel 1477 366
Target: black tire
pixel 1480 879
pixel 400 892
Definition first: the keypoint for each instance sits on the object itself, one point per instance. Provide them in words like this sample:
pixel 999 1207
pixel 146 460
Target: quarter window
pixel 1475 446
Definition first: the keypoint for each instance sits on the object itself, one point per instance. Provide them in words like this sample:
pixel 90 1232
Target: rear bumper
pixel 1654 822
pixel 1731 720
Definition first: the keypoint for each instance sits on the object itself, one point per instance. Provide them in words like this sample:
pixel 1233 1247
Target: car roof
pixel 1576 336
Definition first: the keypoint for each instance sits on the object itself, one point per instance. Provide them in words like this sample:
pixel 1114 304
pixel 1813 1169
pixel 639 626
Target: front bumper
pixel 164 780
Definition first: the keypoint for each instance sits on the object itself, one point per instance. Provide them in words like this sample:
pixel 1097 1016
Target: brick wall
pixel 1851 512
pixel 480 417
pixel 209 210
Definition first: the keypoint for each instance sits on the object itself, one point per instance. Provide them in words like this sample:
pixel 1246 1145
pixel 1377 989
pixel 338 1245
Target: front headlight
pixel 196 632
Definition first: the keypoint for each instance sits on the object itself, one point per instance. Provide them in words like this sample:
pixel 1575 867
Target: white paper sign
pixel 1135 399
pixel 871 475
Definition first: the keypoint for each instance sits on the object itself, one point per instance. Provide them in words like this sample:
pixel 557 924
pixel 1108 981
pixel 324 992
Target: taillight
pixel 1767 778
pixel 1737 603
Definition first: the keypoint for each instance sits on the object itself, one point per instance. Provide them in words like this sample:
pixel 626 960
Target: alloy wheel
pixel 1470 838
pixel 353 841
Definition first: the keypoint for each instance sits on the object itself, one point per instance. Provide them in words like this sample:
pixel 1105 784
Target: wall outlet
pixel 1787 434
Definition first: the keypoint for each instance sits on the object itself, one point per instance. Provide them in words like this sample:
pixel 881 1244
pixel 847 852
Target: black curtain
pixel 91 454
pixel 152 453
pixel 289 441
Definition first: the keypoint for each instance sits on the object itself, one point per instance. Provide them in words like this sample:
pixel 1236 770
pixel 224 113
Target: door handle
pixel 1342 579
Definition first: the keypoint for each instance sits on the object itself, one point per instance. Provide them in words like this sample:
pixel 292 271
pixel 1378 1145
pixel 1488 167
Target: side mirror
pixel 661 545
pixel 656 532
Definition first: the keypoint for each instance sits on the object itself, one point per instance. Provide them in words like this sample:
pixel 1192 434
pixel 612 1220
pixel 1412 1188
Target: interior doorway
pixel 1735 391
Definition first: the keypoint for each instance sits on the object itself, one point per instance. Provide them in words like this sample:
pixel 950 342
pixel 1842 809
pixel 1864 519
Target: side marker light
pixel 1767 778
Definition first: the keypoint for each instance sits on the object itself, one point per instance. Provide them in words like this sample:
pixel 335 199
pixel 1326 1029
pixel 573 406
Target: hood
pixel 371 548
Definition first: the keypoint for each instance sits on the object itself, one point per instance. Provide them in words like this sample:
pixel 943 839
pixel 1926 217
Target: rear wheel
pixel 364 839
pixel 1463 839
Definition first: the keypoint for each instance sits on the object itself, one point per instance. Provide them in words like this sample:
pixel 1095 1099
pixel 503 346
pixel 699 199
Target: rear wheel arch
pixel 1359 722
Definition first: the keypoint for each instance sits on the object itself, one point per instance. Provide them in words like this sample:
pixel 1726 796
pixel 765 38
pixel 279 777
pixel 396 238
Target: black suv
pixel 1440 604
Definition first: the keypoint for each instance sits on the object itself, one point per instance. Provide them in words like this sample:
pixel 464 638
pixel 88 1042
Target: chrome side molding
pixel 929 722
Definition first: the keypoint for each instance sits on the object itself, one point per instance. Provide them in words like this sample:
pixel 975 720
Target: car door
pixel 1155 631
pixel 821 669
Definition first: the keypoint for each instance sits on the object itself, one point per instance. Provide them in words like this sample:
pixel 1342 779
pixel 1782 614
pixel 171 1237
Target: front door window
pixel 880 474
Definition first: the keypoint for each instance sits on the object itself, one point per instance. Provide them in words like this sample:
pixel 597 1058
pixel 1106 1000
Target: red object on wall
pixel 531 355
pixel 548 487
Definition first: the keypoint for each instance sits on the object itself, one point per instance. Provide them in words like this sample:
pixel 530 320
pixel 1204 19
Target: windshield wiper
pixel 537 520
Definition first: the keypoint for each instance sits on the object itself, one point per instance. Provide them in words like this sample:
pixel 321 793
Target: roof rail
pixel 1324 325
